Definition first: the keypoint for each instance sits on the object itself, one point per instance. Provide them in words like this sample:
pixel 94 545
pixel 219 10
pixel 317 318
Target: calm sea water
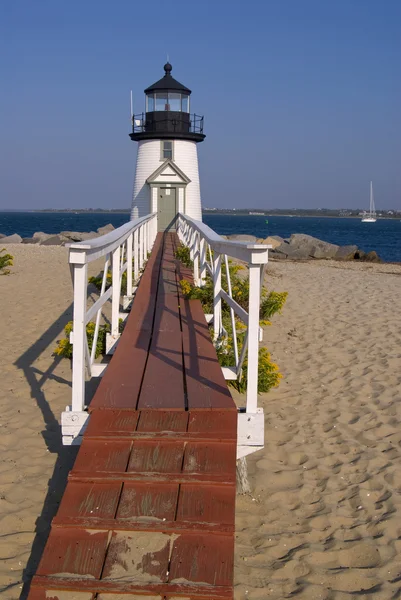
pixel 384 236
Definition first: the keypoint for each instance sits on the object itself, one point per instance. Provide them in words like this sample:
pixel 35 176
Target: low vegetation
pixel 64 347
pixel 6 260
pixel 272 303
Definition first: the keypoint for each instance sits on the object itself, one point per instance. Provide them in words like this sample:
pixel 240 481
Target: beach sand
pixel 324 517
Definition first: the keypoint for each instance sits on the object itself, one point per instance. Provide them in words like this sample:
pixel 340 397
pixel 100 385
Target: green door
pixel 166 209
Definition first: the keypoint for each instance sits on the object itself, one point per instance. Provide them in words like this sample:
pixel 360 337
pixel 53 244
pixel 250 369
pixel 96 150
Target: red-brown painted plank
pixel 148 500
pixel 208 504
pixel 222 423
pixel 203 559
pixel 163 383
pixel 162 421
pixel 96 500
pixel 72 552
pixel 193 591
pixel 99 456
pixel 210 458
pixel 54 594
pixel 156 457
pixel 206 387
pixel 141 558
pixel 111 422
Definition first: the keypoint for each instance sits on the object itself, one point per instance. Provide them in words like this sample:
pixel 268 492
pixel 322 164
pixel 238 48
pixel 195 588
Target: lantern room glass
pixel 167 101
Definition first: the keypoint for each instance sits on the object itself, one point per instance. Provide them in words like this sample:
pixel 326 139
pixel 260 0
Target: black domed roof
pixel 167 83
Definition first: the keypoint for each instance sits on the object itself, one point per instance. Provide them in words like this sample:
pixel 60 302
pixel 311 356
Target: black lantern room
pixel 167 113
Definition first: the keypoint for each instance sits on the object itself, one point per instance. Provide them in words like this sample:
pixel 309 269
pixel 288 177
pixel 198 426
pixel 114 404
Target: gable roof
pixel 172 170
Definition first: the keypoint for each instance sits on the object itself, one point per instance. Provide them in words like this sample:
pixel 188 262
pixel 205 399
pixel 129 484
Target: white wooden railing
pixel 124 249
pixel 209 251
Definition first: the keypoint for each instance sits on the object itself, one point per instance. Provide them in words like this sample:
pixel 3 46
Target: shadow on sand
pixel 51 435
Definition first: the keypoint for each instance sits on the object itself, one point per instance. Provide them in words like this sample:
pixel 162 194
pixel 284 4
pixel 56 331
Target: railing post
pixel 136 256
pixel 79 337
pixel 253 338
pixel 216 295
pixel 202 252
pixel 196 257
pixel 141 247
pixel 115 298
pixel 129 265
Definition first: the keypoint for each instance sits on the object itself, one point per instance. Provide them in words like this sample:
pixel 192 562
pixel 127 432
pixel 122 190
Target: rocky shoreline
pixel 297 247
pixel 306 247
pixel 56 239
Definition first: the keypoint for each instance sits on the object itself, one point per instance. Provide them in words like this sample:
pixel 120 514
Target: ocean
pixel 384 236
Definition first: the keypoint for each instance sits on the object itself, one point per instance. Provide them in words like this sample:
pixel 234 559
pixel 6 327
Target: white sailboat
pixel 371 218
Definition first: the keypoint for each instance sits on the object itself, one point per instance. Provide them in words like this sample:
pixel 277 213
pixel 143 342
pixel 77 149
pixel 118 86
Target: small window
pixel 185 103
pixel 162 101
pixel 174 101
pixel 166 150
pixel 150 106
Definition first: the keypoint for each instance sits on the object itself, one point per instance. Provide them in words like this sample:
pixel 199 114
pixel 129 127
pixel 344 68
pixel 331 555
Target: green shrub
pixel 64 348
pixel 6 260
pixel 97 281
pixel 183 254
pixel 269 375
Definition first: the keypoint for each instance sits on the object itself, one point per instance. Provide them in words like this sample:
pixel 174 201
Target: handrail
pixel 241 250
pixel 208 250
pixel 125 249
pixel 97 247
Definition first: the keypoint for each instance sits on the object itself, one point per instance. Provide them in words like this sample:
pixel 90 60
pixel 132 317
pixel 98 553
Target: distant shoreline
pixel 224 213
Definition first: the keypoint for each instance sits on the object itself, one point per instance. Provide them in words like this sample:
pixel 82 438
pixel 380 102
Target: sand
pixel 324 517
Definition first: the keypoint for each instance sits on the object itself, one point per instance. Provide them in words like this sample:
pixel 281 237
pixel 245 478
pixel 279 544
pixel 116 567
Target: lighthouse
pixel 167 174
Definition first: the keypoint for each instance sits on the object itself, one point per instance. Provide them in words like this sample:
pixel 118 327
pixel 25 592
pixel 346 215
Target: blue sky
pixel 301 98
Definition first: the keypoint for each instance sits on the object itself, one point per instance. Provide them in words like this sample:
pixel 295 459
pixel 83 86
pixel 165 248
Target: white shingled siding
pixel 148 160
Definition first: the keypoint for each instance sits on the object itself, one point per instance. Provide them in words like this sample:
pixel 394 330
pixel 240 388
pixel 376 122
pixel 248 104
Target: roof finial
pixel 167 67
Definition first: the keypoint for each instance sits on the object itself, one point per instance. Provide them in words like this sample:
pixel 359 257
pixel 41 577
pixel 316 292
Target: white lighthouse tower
pixel 167 175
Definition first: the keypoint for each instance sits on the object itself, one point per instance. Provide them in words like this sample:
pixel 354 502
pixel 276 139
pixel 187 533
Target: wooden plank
pixel 209 504
pixel 162 421
pixel 96 456
pixel 210 458
pixel 221 423
pixel 72 552
pixel 165 354
pixel 141 558
pixel 148 501
pixel 111 422
pixel 143 524
pixel 203 558
pixel 206 387
pixel 42 594
pixel 98 500
pixel 197 591
pixel 156 457
pixel 155 477
pixel 121 383
pixel 163 383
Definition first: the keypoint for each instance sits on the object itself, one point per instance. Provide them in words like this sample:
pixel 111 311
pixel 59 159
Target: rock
pixel 273 240
pixel 78 236
pixel 41 236
pixel 313 246
pixel 346 253
pixel 30 241
pixel 105 229
pixel 12 239
pixel 368 257
pixel 293 252
pixel 54 240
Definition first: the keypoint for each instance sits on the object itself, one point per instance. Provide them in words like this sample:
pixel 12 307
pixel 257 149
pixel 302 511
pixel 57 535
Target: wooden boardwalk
pixel 148 512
